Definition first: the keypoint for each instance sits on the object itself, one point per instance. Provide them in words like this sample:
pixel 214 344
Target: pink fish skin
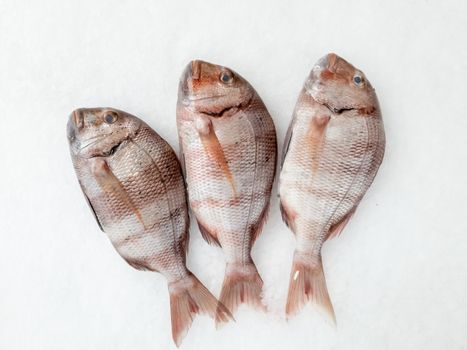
pixel 228 144
pixel 132 181
pixel 333 149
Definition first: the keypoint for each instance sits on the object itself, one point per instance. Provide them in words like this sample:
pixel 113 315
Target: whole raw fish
pixel 333 149
pixel 132 181
pixel 228 144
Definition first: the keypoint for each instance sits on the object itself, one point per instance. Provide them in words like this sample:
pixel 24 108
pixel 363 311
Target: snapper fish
pixel 333 149
pixel 228 150
pixel 132 181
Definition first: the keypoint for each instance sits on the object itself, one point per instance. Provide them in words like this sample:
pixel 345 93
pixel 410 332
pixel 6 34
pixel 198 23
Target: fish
pixel 132 180
pixel 333 149
pixel 229 153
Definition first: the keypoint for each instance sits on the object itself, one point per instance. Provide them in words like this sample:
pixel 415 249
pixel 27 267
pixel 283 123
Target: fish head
pixel 339 86
pixel 94 132
pixel 212 89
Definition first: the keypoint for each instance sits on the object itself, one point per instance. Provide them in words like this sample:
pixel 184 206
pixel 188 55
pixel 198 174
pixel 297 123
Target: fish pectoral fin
pixel 214 149
pixel 110 184
pixel 316 138
pixel 203 125
pixel 209 237
pixel 337 228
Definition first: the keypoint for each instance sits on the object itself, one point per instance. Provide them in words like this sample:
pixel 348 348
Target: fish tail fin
pixel 242 284
pixel 189 297
pixel 307 283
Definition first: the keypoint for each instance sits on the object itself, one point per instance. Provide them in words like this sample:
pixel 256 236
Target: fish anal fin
pixel 208 236
pixel 338 227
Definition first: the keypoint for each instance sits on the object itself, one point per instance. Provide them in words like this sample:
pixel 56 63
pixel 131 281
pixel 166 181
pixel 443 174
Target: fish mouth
pixel 70 132
pixel 329 62
pixel 190 73
pixel 193 95
pixel 330 67
pixel 74 124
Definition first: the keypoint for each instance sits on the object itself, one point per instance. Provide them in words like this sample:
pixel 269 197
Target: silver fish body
pixel 228 142
pixel 334 148
pixel 132 181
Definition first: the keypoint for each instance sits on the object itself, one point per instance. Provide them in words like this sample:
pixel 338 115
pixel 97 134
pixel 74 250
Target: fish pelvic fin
pixel 308 284
pixel 209 236
pixel 189 297
pixel 242 284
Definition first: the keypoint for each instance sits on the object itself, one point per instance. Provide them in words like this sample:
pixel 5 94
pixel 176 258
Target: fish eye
pixel 358 80
pixel 226 77
pixel 110 117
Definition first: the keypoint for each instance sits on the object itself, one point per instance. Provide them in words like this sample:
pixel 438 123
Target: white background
pixel 397 275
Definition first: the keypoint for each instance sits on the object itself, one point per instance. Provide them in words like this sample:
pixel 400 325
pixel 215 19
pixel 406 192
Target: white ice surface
pixel 397 275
